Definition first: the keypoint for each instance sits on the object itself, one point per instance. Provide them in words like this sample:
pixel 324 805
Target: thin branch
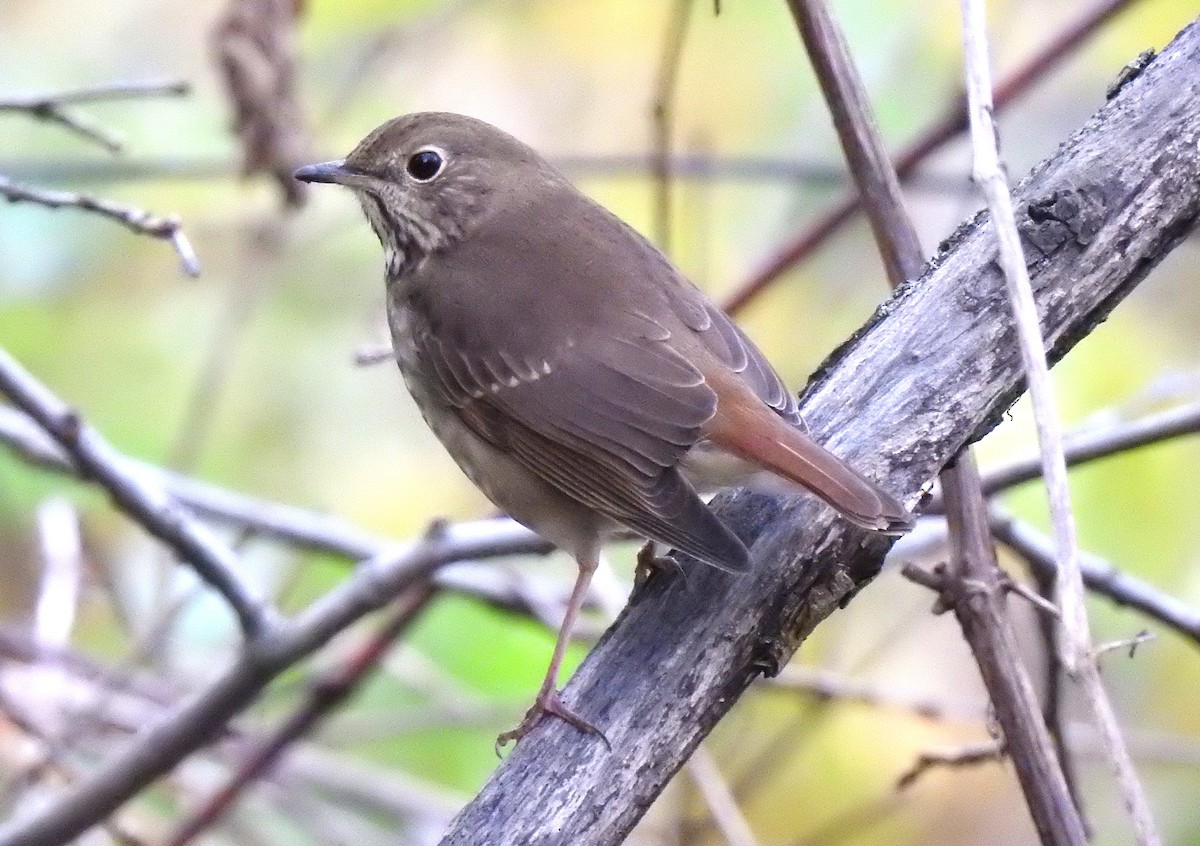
pixel 1088 446
pixel 963 756
pixel 52 107
pixel 102 91
pixel 1100 576
pixel 132 218
pixel 827 685
pixel 1128 645
pixel 1075 639
pixel 983 618
pixel 989 175
pixel 928 541
pixel 730 820
pixel 326 694
pixel 877 182
pixel 662 117
pixel 139 497
pixel 973 587
pixel 163 745
pixel 1054 687
pixel 942 130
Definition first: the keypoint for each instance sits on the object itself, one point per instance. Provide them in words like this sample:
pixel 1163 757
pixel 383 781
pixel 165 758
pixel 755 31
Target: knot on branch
pixel 1064 216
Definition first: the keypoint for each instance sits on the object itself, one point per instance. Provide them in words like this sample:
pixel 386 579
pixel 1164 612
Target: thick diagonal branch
pixel 931 372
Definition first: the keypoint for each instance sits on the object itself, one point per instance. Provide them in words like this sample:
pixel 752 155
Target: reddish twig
pixel 328 691
pixel 951 124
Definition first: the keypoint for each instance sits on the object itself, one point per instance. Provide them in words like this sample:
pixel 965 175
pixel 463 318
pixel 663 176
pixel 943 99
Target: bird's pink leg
pixel 547 701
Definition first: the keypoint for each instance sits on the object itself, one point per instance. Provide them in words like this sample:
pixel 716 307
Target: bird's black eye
pixel 424 165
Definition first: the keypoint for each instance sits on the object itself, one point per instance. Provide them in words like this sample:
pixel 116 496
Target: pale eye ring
pixel 426 164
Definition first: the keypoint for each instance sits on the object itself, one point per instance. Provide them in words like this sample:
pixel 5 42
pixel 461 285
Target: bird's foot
pixel 547 702
pixel 650 563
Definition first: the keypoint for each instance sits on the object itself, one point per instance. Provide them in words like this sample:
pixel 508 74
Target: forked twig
pixel 146 502
pixel 136 220
pixel 53 107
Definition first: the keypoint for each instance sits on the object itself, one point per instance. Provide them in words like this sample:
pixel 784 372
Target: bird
pixel 572 372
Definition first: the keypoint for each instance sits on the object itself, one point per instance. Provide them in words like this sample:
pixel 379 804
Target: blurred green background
pixel 245 376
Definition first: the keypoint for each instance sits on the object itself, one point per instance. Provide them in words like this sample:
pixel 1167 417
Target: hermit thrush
pixel 572 372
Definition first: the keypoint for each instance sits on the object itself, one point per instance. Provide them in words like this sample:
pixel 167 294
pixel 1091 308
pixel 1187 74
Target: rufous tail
pixel 750 430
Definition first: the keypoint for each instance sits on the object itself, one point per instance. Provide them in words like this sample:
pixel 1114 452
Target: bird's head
pixel 426 180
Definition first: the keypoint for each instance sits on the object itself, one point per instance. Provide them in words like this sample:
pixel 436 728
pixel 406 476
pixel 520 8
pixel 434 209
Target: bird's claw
pixel 548 702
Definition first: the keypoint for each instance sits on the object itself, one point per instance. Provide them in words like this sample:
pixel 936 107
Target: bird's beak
pixel 334 171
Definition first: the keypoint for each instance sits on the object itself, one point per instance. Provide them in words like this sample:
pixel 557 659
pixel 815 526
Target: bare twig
pixel 954 121
pixel 1042 604
pixel 973 588
pixel 877 182
pixel 720 800
pixel 1090 445
pixel 1100 576
pixel 989 176
pixel 828 685
pixel 138 496
pixel 162 746
pixel 972 583
pixel 132 218
pixel 963 756
pixel 1075 640
pixel 126 90
pixel 1054 681
pixel 1126 644
pixel 326 693
pixel 62 572
pixel 662 115
pixel 1075 645
pixel 53 107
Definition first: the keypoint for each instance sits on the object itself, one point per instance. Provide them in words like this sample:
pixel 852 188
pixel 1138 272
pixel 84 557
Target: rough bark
pixel 933 370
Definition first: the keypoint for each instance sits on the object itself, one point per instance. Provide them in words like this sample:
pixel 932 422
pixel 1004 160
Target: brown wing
pixel 551 331
pixel 606 426
pixel 723 339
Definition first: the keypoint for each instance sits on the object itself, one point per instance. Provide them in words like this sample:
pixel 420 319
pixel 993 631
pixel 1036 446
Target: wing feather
pixel 603 435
